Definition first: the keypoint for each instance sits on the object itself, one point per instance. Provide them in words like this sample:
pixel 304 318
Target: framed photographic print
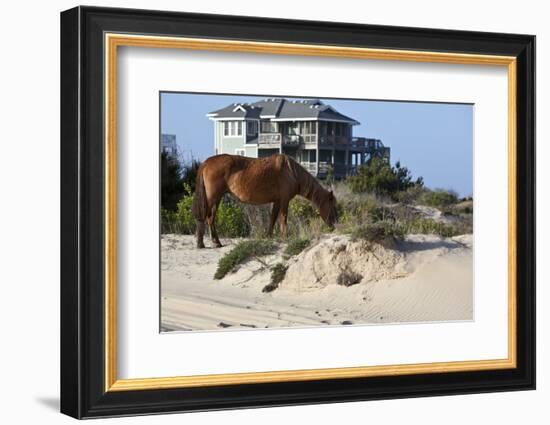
pixel 261 212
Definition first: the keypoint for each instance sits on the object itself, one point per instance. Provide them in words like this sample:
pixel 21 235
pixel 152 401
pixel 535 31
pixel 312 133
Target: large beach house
pixel 313 133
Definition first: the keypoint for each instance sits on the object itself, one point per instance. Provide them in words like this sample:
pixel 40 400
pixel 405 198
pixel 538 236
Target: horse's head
pixel 328 209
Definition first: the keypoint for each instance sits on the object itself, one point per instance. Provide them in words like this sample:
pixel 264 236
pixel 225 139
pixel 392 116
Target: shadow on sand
pixel 427 245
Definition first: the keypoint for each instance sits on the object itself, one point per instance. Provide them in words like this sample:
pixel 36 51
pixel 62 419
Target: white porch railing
pixel 310 166
pixel 270 139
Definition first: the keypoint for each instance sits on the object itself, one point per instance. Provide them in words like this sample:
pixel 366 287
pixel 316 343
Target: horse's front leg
pixel 273 220
pixel 283 215
pixel 212 225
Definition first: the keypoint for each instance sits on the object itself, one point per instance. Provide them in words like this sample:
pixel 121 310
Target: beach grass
pixel 242 252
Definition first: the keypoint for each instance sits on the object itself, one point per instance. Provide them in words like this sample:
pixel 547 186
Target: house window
pixel 240 152
pixel 233 128
pixel 309 127
pixel 269 127
pixel 252 128
pixel 293 128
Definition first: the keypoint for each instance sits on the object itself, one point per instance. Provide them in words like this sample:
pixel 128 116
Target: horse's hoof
pixel 200 245
pixel 217 244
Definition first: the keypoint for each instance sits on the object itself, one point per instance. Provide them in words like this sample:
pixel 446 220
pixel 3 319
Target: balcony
pixel 338 170
pixel 273 140
pixel 309 139
pixel 336 141
pixel 292 140
pixel 299 139
pixel 310 166
pixel 269 140
pixel 363 142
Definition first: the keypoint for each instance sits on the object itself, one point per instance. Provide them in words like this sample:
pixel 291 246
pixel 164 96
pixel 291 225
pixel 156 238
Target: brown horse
pixel 275 179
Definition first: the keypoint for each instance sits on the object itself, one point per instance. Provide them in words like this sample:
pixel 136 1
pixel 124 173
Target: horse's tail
pixel 199 205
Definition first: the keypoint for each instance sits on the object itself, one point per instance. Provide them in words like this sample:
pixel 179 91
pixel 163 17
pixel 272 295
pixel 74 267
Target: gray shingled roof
pixel 281 109
pixel 237 110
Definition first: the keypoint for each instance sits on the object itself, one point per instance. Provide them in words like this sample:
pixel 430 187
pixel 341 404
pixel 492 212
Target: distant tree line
pixel 175 175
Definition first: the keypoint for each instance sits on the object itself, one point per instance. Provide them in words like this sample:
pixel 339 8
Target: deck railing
pixel 299 139
pixel 287 139
pixel 310 166
pixel 269 139
pixel 334 140
pixel 363 142
pixel 275 139
pixel 292 140
pixel 324 168
pixel 309 139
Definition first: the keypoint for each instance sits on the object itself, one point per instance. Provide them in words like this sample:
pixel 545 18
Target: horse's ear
pixel 330 194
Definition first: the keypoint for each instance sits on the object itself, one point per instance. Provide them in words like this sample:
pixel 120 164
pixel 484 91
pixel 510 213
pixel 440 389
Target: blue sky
pixel 432 140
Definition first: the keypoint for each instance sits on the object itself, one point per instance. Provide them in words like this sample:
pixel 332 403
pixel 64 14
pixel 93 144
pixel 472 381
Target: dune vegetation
pixel 379 200
pixel 379 204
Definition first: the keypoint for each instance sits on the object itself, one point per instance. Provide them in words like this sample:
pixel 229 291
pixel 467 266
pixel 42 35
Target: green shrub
pixel 429 226
pixel 278 272
pixel 463 208
pixel 379 177
pixel 231 221
pixel 171 188
pixel 189 171
pixel 242 252
pixel 184 212
pixel 438 198
pixel 410 195
pixel 175 180
pixel 304 219
pixel 355 209
pixel 377 232
pixel 258 217
pixel 302 209
pixel 295 246
pixel 169 222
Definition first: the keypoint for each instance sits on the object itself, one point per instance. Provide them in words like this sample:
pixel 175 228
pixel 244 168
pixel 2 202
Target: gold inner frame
pixel 113 41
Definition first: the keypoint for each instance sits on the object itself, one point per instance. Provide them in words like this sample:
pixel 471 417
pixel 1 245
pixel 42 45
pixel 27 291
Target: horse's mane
pixel 309 187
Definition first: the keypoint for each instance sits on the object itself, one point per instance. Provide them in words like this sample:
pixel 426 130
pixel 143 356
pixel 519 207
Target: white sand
pixel 427 279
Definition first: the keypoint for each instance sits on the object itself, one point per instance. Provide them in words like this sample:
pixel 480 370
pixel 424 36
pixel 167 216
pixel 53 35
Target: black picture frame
pixel 83 392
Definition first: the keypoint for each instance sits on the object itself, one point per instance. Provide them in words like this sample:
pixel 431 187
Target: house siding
pixel 252 151
pixel 230 144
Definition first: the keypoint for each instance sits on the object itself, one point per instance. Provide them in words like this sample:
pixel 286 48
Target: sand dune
pixel 425 278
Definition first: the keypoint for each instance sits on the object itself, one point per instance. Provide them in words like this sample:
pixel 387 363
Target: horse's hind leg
pixel 200 234
pixel 283 215
pixel 212 225
pixel 273 220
